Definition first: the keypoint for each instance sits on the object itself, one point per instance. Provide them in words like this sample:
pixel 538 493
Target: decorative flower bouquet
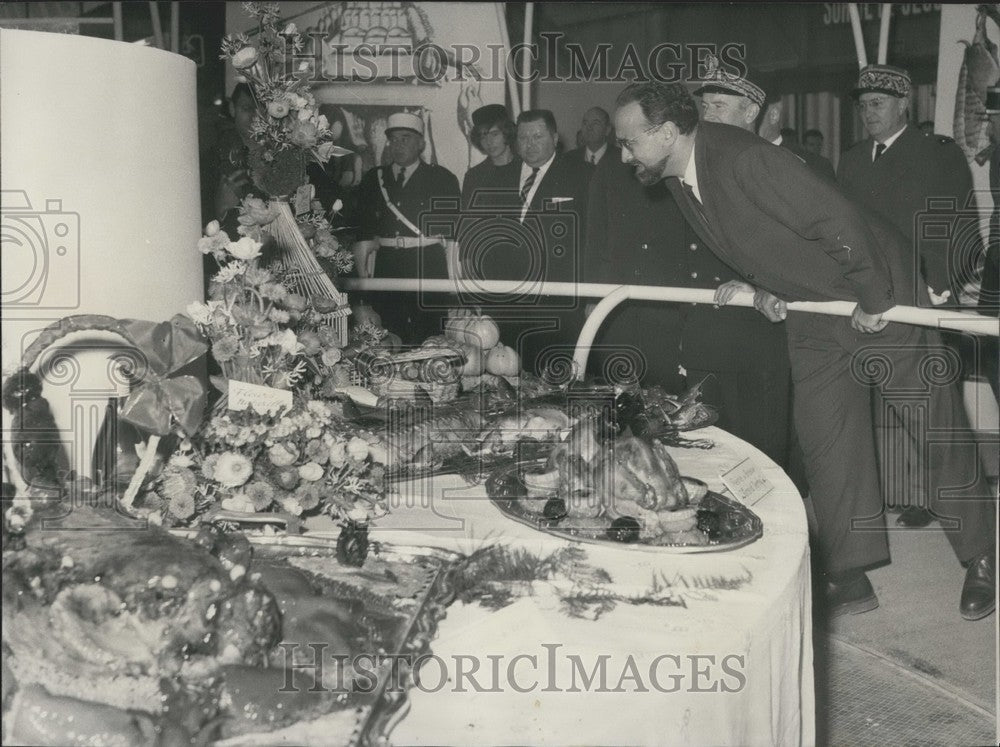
pixel 262 332
pixel 288 131
pixel 305 462
pixel 288 128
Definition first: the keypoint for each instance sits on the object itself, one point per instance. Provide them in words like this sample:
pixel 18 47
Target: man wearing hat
pixel 493 133
pixel 738 101
pixel 749 366
pixel 902 174
pixel 779 226
pixel 394 203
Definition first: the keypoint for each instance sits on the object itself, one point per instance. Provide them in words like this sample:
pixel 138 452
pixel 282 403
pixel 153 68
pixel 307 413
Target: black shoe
pixel 850 594
pixel 980 588
pixel 914 516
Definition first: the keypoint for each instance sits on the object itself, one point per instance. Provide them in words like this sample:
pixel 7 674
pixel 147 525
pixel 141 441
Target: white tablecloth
pixel 730 665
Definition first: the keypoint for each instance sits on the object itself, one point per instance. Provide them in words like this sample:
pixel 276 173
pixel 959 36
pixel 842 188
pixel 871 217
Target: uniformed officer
pixel 746 355
pixel 920 184
pixel 741 102
pixel 394 204
pixel 911 179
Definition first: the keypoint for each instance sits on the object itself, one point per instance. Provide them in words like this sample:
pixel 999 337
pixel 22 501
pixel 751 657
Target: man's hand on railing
pixel 725 292
pixel 867 323
pixel 936 299
pixel 770 305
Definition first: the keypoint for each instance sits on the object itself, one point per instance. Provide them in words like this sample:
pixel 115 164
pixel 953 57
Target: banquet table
pixel 727 662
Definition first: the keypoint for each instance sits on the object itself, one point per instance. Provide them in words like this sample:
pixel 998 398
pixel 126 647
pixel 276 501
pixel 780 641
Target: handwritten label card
pixel 746 482
pixel 264 399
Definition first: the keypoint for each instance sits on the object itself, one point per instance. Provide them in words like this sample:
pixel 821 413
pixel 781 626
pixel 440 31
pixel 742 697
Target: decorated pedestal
pixel 100 203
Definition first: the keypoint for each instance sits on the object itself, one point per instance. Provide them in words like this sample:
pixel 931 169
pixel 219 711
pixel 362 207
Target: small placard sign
pixel 746 482
pixel 264 399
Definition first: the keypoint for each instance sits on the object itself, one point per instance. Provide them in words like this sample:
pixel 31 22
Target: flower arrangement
pixel 261 331
pixel 287 128
pixel 306 462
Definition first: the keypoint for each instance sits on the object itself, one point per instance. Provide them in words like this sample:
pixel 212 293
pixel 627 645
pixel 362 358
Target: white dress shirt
pixel 691 176
pixel 887 142
pixel 595 156
pixel 525 173
pixel 407 171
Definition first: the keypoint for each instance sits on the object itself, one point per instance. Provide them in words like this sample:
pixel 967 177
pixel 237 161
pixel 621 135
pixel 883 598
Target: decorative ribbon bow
pixel 162 393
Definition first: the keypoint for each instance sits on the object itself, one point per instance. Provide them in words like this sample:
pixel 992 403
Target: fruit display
pixel 478 336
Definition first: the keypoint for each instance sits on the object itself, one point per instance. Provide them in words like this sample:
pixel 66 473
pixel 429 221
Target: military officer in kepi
pixel 922 185
pixel 395 204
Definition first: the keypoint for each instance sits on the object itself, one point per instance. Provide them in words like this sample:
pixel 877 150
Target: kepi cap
pixel 405 121
pixel 894 81
pixel 720 81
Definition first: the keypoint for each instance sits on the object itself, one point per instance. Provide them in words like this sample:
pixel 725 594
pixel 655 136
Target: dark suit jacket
pixel 613 153
pixel 547 245
pixel 914 169
pixel 786 230
pixel 820 165
pixel 637 235
pixel 428 182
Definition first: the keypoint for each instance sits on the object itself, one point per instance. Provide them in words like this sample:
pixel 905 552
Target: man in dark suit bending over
pixel 798 238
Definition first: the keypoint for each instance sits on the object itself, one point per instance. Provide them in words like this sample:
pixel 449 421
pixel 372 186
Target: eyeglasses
pixel 876 104
pixel 632 141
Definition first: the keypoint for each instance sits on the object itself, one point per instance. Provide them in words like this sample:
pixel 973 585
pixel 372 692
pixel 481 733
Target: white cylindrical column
pixel 100 203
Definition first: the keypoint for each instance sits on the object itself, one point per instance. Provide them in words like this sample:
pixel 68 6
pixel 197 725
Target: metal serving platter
pixel 426 593
pixel 733 525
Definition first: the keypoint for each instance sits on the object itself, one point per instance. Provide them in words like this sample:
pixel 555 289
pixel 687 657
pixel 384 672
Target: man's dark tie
pixel 879 150
pixel 695 202
pixel 528 183
pixel 593 159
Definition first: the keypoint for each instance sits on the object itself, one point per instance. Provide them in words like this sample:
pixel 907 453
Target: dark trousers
pixel 835 371
pixel 412 316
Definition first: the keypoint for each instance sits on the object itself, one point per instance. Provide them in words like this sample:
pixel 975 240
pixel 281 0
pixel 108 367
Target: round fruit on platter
pixel 481 332
pixel 503 361
pixel 455 323
pixel 475 361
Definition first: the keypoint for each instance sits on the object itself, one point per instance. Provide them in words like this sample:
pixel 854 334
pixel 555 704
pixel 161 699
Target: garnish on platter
pixel 626 489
